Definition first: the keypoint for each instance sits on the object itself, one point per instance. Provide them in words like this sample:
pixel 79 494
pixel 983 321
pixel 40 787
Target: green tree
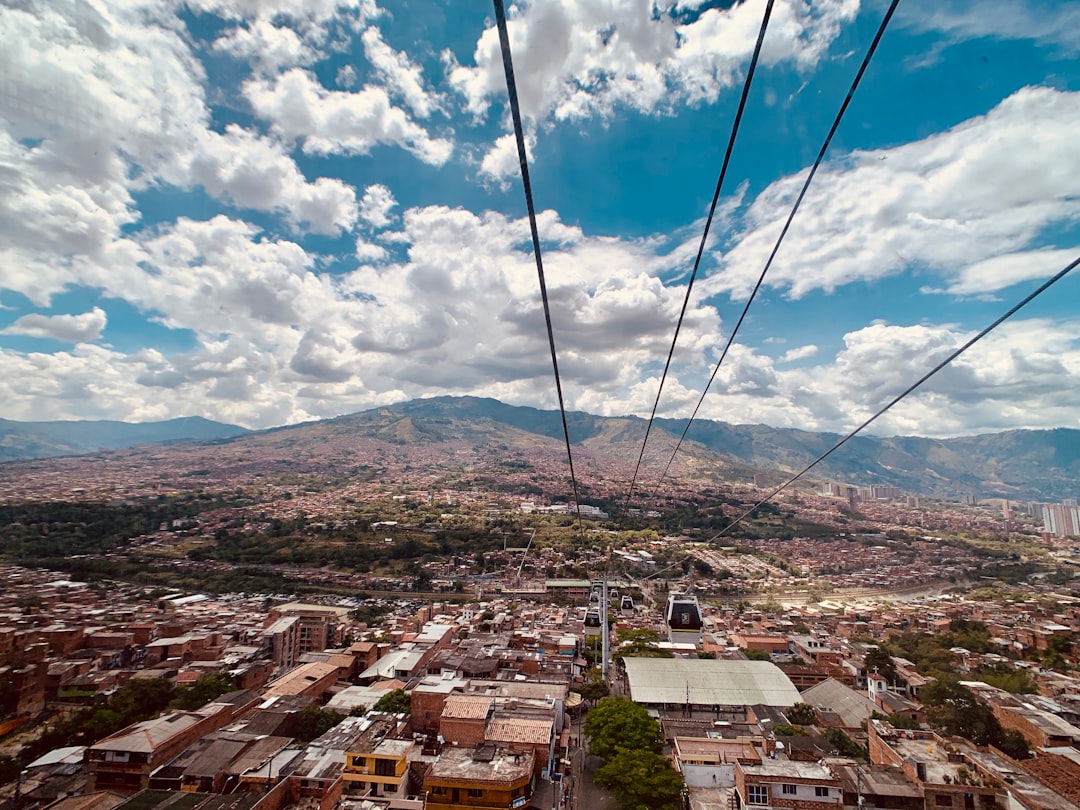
pixel 953 709
pixel 594 688
pixel 878 660
pixel 208 687
pixel 801 713
pixel 618 724
pixel 314 721
pixel 897 720
pixel 788 730
pixel 396 702
pixel 639 644
pixel 847 746
pixel 642 780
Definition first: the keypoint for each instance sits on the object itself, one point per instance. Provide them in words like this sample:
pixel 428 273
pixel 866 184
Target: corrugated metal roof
pixel 709 682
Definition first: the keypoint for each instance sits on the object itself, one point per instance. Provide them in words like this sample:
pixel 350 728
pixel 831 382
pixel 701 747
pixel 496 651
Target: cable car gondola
pixel 592 622
pixel 684 618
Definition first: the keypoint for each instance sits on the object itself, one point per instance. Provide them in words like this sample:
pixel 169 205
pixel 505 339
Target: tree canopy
pixel 314 721
pixel 642 779
pixel 396 702
pixel 206 688
pixel 618 724
pixel 954 710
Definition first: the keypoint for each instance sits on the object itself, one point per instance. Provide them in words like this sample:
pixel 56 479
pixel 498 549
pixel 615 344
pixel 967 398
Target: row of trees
pixel 137 700
pixel 629 741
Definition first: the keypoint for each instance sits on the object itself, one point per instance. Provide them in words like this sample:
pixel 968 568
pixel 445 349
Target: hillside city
pixel 170 641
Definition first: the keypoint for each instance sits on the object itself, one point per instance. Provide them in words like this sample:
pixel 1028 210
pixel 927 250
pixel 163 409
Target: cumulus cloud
pixel 368 252
pixel 501 162
pixel 346 77
pixel 999 272
pixel 336 122
pixel 944 203
pixel 800 353
pixel 84 328
pixel 254 172
pixel 268 47
pixel 100 103
pixel 399 74
pixel 579 58
pixel 299 12
pixel 376 206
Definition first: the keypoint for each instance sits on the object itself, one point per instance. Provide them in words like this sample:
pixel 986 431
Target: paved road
pixel 585 794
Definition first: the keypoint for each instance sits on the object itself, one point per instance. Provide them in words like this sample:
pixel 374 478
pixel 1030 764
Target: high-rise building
pixel 1061 520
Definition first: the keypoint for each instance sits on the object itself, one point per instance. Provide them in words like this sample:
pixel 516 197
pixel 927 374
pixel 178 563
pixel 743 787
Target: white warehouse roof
pixel 708 682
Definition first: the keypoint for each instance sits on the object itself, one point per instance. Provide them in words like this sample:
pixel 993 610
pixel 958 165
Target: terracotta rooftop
pixel 466 707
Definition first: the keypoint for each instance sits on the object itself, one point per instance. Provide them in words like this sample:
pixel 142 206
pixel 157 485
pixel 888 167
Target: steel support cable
pixel 779 240
pixel 701 247
pixel 1016 308
pixel 523 161
pixel 1046 285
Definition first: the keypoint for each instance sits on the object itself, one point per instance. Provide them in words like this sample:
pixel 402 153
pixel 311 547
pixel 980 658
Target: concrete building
pixel 486 776
pixel 789 785
pixel 123 761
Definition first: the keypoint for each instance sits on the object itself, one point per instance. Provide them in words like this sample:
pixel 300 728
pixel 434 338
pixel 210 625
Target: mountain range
pixel 1018 464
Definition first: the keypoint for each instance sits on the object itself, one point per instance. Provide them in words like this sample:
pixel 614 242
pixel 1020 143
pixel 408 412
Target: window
pixel 438 790
pixel 757 794
pixel 385 767
pixel 821 792
pixel 788 790
pixel 943 800
pixel 475 793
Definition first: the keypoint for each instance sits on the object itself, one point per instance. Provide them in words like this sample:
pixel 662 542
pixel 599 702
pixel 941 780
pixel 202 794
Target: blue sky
pixel 268 211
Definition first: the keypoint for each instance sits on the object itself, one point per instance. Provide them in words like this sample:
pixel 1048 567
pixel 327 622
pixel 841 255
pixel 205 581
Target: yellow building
pixel 378 767
pixel 482 777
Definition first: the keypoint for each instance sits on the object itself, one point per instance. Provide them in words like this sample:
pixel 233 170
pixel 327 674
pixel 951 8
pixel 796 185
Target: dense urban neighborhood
pixel 279 645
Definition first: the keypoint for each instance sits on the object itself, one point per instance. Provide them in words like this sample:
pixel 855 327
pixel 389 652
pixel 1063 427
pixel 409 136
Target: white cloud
pixel 945 203
pixel 254 172
pixel 277 341
pixel 502 162
pixel 368 252
pixel 335 122
pixel 376 205
pixel 346 77
pixel 579 58
pixel 999 272
pixel 402 77
pixel 800 353
pixel 299 12
pixel 268 47
pixel 100 103
pixel 1048 23
pixel 84 328
pixel 1019 376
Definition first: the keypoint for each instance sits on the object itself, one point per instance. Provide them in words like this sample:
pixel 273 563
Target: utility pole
pixel 605 647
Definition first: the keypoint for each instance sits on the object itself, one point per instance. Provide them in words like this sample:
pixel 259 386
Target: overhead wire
pixel 1012 311
pixel 523 161
pixel 907 391
pixel 704 239
pixel 783 232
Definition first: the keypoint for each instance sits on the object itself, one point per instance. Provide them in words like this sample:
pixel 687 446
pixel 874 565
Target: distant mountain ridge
pixel 1041 465
pixel 25 440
